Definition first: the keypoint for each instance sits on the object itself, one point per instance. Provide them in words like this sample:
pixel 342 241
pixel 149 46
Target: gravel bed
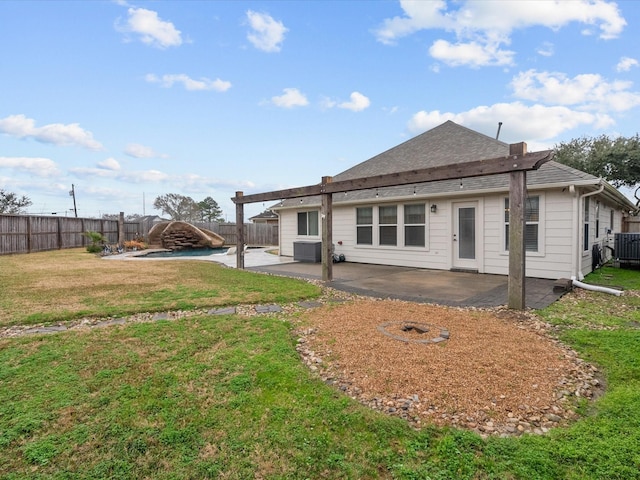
pixel 499 372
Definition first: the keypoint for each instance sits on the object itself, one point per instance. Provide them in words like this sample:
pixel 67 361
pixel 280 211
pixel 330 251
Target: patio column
pixel 517 222
pixel 239 232
pixel 326 213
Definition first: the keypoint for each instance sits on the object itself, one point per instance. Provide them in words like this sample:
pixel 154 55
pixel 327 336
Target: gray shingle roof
pixel 445 144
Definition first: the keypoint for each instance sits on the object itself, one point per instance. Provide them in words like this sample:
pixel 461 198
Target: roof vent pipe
pixel 499 127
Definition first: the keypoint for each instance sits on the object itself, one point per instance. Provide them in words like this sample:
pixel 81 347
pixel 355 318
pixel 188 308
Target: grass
pixel 224 397
pixel 50 287
pixel 600 310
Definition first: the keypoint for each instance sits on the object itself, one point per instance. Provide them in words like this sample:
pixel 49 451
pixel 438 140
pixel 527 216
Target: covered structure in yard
pixel 455 199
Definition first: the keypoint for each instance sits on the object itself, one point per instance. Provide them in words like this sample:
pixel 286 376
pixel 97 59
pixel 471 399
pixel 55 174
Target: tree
pixel 178 207
pixel 616 160
pixel 210 211
pixel 11 203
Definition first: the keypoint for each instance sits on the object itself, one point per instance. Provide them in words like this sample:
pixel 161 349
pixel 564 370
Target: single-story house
pixel 462 224
pixel 268 217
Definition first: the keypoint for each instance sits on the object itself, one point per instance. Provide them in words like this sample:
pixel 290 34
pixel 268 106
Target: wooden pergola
pixel 517 163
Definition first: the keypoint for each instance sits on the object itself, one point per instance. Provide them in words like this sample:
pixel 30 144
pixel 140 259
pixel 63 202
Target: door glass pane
pixel 313 223
pixel 467 232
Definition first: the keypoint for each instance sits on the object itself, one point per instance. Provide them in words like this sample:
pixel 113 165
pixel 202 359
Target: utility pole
pixel 72 193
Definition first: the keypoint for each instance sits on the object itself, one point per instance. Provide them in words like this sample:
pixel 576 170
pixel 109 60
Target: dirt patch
pixel 496 372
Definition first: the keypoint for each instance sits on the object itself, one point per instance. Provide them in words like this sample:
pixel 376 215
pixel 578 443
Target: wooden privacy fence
pixel 27 233
pixel 631 225
pixel 255 234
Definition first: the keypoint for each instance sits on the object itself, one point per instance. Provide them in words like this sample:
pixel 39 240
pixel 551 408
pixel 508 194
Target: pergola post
pixel 239 232
pixel 326 213
pixel 517 222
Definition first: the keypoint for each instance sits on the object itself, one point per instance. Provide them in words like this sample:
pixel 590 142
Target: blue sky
pixel 131 100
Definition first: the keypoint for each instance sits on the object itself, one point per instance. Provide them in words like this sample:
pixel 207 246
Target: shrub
pixel 97 241
pixel 134 245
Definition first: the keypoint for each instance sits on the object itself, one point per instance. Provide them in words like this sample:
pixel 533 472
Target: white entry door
pixel 465 221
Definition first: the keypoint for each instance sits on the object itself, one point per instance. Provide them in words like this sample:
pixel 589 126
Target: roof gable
pixel 445 144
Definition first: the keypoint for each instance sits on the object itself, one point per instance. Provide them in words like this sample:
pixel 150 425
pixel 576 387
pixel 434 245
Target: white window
pixel 585 245
pixel 364 226
pixel 532 224
pixel 388 225
pixel 308 223
pixel 611 220
pixel 414 225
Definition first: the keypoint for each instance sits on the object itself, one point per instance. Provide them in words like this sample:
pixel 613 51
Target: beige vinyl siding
pixel 289 232
pixel 554 256
pixel 600 237
pixel 433 255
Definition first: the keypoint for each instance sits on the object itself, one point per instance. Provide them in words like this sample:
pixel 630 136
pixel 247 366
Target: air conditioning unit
pixel 627 248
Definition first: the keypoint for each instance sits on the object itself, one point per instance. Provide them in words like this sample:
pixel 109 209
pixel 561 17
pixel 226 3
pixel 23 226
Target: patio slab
pixel 420 285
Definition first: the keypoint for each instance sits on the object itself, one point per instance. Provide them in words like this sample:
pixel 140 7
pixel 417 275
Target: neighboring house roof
pixel 450 144
pixel 267 215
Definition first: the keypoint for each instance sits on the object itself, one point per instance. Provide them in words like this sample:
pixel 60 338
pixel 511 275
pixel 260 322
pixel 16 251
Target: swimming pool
pixel 192 252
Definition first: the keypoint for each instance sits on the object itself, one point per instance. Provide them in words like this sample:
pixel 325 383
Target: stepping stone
pixel 309 304
pixel 268 308
pixel 52 329
pixel 115 321
pixel 222 311
pixel 160 316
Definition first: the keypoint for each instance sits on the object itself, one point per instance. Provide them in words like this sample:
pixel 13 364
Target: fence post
pixel 59 223
pixel 28 234
pixel 121 229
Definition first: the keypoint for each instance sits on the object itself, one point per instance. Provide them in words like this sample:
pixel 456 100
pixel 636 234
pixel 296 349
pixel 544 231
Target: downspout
pixel 579 220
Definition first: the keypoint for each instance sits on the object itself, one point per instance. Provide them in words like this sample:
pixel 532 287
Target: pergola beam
pixel 478 168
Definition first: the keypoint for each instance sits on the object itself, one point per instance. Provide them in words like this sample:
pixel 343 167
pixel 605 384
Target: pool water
pixel 195 252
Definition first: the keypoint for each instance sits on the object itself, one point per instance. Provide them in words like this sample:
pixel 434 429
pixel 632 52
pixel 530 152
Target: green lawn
pixel 227 397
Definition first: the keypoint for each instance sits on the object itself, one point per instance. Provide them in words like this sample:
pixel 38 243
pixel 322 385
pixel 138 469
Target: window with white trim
pixel 364 226
pixel 532 224
pixel 585 242
pixel 414 225
pixel 611 221
pixel 597 219
pixel 308 223
pixel 388 225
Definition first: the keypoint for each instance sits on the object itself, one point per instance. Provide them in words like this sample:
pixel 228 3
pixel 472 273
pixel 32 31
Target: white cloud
pixel 140 151
pixel 191 84
pixel 481 28
pixel 626 63
pixel 266 33
pixel 419 15
pixel 55 133
pixel 547 49
pixel 128 176
pixel 41 167
pixel 151 29
pixel 357 103
pixel 292 97
pixel 520 122
pixel 588 91
pixel 110 169
pixel 109 164
pixel 473 54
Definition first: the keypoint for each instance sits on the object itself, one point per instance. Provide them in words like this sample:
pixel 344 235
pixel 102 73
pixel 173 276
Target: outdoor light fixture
pixel 434 208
